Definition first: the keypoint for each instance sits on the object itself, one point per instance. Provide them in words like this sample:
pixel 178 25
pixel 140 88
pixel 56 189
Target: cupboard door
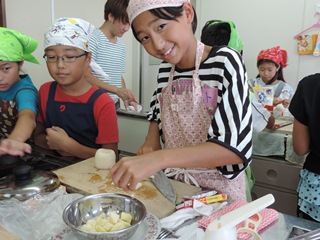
pixel 278 173
pixel 284 202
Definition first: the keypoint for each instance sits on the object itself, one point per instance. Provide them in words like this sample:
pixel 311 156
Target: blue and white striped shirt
pixel 111 57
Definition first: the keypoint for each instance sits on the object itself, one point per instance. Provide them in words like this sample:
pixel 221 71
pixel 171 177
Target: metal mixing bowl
pixel 81 210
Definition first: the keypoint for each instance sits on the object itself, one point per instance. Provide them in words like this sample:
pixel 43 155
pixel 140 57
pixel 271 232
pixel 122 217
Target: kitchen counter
pixel 133 114
pixel 276 143
pixel 85 178
pixel 281 229
pixel 276 167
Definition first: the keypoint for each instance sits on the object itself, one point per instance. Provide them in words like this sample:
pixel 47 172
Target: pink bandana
pixel 276 54
pixel 137 7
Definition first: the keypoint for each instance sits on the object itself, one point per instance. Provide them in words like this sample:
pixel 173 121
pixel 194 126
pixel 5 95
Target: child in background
pixel 224 33
pixel 221 33
pixel 200 109
pixel 109 51
pixel 270 64
pixel 75 118
pixel 217 33
pixel 18 95
pixel 306 140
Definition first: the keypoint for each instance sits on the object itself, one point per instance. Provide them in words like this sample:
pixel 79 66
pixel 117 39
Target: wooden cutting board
pixel 4 234
pixel 84 178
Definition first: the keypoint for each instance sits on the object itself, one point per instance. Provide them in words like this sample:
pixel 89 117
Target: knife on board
pixel 162 183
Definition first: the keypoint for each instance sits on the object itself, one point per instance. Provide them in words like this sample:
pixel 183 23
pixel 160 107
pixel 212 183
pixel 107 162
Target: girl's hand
pixel 286 103
pixel 14 147
pixel 276 101
pixel 129 171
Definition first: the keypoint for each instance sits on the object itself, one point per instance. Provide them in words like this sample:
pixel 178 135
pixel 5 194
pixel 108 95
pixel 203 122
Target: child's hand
pixel 57 138
pixel 129 171
pixel 147 148
pixel 286 103
pixel 134 106
pixel 126 95
pixel 14 147
pixel 276 101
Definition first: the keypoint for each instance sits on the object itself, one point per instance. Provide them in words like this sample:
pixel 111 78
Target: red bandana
pixel 276 54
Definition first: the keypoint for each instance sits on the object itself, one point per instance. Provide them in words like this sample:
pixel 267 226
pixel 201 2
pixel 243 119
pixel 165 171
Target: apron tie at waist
pixel 187 174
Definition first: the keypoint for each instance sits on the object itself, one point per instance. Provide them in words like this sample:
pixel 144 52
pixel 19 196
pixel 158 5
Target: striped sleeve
pixel 232 123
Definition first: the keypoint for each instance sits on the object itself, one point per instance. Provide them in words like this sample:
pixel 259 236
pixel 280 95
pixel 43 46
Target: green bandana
pixel 15 46
pixel 235 41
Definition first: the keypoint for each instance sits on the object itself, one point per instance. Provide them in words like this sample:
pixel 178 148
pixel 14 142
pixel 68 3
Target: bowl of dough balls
pixel 104 216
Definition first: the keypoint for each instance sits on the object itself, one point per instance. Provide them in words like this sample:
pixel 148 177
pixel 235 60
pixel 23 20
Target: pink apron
pixel 186 111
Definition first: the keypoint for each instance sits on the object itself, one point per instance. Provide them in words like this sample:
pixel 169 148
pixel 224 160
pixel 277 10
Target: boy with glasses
pixel 75 118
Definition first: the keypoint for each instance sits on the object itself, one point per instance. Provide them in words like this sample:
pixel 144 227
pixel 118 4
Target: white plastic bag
pixel 38 218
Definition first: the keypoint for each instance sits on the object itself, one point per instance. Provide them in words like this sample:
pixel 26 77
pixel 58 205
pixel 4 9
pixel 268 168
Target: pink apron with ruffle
pixel 186 111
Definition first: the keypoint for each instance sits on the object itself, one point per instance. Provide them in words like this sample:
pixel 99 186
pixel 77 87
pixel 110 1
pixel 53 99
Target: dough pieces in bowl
pixel 104 158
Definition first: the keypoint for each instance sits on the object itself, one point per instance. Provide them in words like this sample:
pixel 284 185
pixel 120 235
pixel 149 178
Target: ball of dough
pixel 104 158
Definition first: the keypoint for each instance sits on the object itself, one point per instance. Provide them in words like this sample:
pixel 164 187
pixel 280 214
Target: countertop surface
pixel 281 229
pixel 85 179
pixel 285 129
pixel 276 143
pixel 133 114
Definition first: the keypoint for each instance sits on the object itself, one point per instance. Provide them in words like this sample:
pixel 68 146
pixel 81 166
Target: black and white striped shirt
pixel 231 125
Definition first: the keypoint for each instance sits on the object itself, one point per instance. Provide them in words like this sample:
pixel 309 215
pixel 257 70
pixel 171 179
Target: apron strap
pixel 176 172
pixel 200 50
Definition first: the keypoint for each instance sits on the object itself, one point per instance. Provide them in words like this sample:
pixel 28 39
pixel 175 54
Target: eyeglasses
pixel 67 59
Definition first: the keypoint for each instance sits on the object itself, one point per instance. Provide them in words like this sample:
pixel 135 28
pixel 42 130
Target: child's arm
pixel 57 139
pixel 112 146
pixel 300 138
pixel 15 143
pixel 206 155
pixel 152 140
pixel 271 122
pixel 123 93
pixel 40 136
pixel 130 94
pixel 277 101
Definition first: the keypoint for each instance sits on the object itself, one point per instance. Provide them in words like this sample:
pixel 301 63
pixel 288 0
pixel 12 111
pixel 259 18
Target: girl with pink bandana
pixel 270 64
pixel 18 95
pixel 200 109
